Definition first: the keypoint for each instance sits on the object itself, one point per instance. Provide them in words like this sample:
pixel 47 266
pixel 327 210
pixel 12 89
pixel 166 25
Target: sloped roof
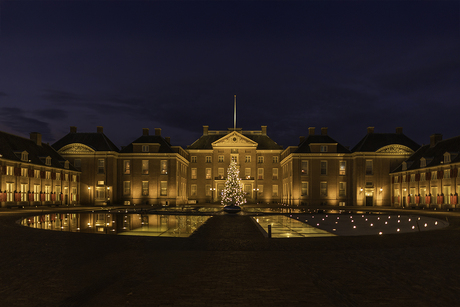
pixel 264 141
pixel 165 147
pixel 11 144
pixel 374 141
pixel 434 155
pixel 97 141
pixel 304 147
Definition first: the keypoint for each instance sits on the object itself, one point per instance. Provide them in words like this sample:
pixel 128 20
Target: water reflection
pixel 118 223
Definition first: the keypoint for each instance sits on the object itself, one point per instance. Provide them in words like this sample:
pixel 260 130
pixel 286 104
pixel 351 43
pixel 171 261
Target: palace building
pixel 383 169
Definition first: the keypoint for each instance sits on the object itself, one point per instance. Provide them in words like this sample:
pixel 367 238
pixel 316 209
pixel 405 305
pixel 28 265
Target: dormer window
pixel 323 148
pixel 422 162
pixel 449 156
pixel 145 148
pixel 48 160
pixel 25 156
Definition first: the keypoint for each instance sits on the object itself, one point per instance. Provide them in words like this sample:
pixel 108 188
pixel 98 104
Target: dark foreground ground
pixel 228 262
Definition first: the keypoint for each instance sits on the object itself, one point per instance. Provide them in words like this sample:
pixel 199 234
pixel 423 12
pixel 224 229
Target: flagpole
pixel 234 112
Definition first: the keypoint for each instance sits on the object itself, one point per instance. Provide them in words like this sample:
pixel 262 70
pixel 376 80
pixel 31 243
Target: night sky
pixel 128 65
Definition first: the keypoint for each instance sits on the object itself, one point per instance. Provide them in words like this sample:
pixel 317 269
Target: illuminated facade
pixel 32 173
pixel 430 177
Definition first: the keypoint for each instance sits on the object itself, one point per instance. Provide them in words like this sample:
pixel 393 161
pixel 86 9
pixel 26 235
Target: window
pixel 234 157
pixel 24 172
pixel 434 193
pixel 10 170
pixel 247 159
pixel 275 174
pixel 447 174
pixel 164 167
pixel 275 190
pixel 66 176
pixel 193 173
pixel 412 177
pixel 74 177
pixel 58 176
pixel 48 161
pixel 193 159
pixel 163 188
pixel 208 190
pixel 36 192
pixel 9 192
pixel 145 148
pixel 74 194
pixel 208 159
pixel 323 188
pixel 100 166
pixel 100 193
pixel 77 163
pixel 260 189
pixel 48 175
pixel 275 159
pixel 260 173
pixel 434 175
pixel 369 167
pixel 208 173
pixel 422 177
pixel 304 167
pixel 323 167
pixel 422 162
pixel 25 156
pixel 145 188
pixel 127 167
pixel 260 159
pixel 447 158
pixel 342 189
pixel 100 182
pixel 24 188
pixel 304 188
pixel 422 195
pixel 145 167
pixel 323 148
pixel 220 173
pixel 36 173
pixel 342 168
pixel 193 190
pixel 247 173
pixel 57 190
pixel 126 187
pixel 221 158
pixel 47 193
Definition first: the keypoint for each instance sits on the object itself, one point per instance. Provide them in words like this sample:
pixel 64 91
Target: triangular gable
pixel 234 139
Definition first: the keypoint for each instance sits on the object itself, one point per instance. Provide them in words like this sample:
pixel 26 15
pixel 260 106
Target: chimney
pixel 168 140
pixel 311 131
pixel 36 137
pixel 205 130
pixel 324 131
pixel 100 129
pixel 370 130
pixel 145 131
pixel 73 129
pixel 301 139
pixel 399 130
pixel 158 131
pixel 434 139
pixel 264 130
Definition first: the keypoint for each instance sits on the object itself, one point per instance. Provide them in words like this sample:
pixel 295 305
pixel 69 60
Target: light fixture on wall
pixel 361 190
pixel 381 190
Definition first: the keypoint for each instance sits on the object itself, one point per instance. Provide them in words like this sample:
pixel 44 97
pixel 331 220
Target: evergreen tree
pixel 233 192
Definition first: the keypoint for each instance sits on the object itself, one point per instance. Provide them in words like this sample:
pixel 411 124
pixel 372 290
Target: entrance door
pixel 369 197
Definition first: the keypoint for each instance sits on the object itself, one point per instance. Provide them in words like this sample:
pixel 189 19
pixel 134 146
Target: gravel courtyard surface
pixel 227 262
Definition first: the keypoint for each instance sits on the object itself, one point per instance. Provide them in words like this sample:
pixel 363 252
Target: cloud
pixel 17 120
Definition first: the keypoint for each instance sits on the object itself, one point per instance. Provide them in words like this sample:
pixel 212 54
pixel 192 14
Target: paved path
pixel 227 263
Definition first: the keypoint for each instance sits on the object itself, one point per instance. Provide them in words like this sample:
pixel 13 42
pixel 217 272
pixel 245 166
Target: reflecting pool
pixel 157 225
pixel 286 227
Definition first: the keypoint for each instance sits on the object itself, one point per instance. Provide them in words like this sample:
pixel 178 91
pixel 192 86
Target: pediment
pixel 234 139
pixel 75 148
pixel 395 148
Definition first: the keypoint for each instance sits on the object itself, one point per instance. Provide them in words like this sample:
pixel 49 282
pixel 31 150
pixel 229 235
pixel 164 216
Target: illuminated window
pixel 434 193
pixel 193 173
pixel 260 159
pixel 247 159
pixel 275 159
pixel 163 188
pixel 369 167
pixel 275 190
pixel 220 173
pixel 126 187
pixel 100 166
pixel 145 167
pixel 47 193
pixel 66 176
pixel 58 176
pixel 323 167
pixel 304 167
pixel 234 157
pixel 412 177
pixel 208 190
pixel 247 173
pixel 10 170
pixel 208 159
pixel 193 190
pixel 24 172
pixel 127 167
pixel 57 190
pixel 342 168
pixel 24 188
pixel 145 188
pixel 434 175
pixel 36 192
pixel 446 174
pixel 260 173
pixel 164 167
pixel 323 188
pixel 9 192
pixel 275 174
pixel 208 173
pixel 36 173
pixel 74 194
pixel 342 189
pixel 193 159
pixel 221 158
pixel 304 188
pixel 74 177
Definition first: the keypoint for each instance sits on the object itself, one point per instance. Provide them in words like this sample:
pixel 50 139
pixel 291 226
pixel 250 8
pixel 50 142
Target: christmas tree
pixel 233 192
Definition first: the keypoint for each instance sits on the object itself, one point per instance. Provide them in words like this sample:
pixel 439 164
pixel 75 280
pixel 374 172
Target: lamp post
pixel 256 191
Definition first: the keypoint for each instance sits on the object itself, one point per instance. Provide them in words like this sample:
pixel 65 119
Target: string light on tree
pixel 232 194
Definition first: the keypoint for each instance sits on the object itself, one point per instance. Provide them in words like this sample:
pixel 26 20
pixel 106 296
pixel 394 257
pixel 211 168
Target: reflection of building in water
pixel 150 170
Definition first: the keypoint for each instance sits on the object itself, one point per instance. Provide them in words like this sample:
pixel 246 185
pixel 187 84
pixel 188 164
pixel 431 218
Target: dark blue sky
pixel 128 65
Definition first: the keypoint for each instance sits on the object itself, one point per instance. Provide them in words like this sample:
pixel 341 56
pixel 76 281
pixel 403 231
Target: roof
pixel 304 146
pixel 264 142
pixel 11 145
pixel 97 141
pixel 372 142
pixel 434 155
pixel 165 147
